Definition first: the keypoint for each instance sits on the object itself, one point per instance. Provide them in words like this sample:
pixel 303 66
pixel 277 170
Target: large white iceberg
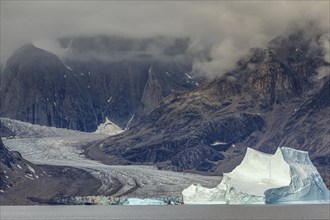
pixel 286 176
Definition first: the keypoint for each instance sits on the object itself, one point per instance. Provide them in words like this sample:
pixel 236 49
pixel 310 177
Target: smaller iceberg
pixel 288 176
pixel 136 201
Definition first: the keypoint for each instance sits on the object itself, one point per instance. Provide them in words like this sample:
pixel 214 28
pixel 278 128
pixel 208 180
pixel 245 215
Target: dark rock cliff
pixel 91 82
pixel 36 87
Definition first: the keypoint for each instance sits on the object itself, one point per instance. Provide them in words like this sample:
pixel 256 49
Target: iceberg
pixel 288 176
pixel 136 201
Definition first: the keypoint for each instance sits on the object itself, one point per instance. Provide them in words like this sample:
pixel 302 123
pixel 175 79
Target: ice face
pixel 259 171
pixel 306 183
pixel 286 176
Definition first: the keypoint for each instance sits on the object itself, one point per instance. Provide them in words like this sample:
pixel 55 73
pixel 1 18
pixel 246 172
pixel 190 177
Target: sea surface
pixel 180 212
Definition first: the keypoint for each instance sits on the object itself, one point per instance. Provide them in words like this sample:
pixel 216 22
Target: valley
pixel 58 148
pixel 141 102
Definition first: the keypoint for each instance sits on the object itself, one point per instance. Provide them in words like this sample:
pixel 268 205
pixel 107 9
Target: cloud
pixel 229 29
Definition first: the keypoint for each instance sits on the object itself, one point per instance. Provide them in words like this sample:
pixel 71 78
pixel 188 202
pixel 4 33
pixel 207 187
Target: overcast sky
pixel 230 26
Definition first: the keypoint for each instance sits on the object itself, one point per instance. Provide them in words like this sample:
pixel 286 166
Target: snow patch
pixel 31 169
pixel 218 143
pixel 29 176
pixel 188 76
pixel 19 166
pixel 128 125
pixel 109 128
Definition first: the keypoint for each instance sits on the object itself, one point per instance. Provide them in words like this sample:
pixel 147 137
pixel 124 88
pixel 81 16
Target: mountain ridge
pixel 39 87
pixel 245 108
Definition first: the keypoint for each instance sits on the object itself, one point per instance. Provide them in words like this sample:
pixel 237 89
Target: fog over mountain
pixel 228 29
pixel 154 88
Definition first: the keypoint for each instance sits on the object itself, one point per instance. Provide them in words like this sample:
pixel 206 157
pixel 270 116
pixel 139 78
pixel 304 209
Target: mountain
pixel 272 98
pixel 130 76
pixel 37 87
pixel 98 77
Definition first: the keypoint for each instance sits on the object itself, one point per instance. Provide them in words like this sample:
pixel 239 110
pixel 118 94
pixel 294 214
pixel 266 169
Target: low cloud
pixel 226 29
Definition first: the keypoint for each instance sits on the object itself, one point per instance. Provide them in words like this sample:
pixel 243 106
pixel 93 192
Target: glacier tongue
pixel 286 176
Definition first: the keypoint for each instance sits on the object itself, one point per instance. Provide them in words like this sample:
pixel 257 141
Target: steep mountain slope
pixel 37 87
pixel 91 82
pixel 11 162
pixel 129 76
pixel 209 128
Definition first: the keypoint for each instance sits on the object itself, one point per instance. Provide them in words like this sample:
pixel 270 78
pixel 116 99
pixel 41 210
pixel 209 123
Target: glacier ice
pixel 287 176
pixel 62 147
pixel 108 127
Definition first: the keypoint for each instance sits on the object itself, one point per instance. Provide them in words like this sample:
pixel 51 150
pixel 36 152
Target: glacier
pixel 62 147
pixel 288 176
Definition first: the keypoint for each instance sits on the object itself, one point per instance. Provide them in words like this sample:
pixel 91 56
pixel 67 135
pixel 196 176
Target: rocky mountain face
pixel 37 87
pixel 272 98
pixel 98 77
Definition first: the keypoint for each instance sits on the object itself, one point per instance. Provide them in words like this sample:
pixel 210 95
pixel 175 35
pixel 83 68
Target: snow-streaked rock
pixel 286 176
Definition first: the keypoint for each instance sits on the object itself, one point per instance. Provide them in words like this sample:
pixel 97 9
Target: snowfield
pixel 62 147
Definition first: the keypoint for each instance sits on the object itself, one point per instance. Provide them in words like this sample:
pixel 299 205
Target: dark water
pixel 182 212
